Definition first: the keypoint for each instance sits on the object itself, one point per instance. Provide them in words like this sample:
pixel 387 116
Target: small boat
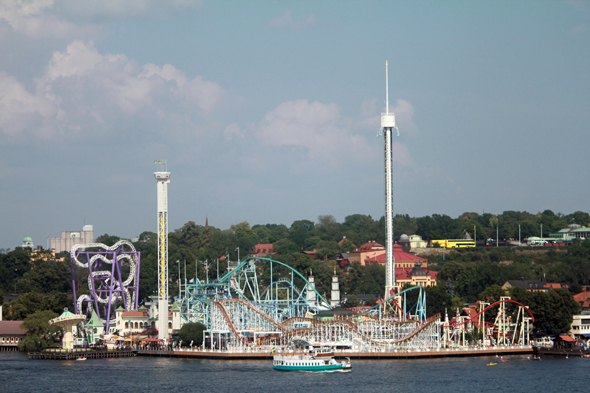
pixel 81 358
pixel 503 360
pixel 316 361
pixel 491 364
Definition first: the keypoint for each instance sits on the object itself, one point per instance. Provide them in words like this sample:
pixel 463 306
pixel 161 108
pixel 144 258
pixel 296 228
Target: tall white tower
pixel 162 178
pixel 335 298
pixel 388 124
pixel 311 297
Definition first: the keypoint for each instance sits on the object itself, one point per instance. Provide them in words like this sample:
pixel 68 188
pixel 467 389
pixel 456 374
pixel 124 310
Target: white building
pixel 28 242
pixel 581 325
pixel 71 238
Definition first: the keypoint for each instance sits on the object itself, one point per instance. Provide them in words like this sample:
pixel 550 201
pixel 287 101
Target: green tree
pixel 553 310
pixel 40 334
pixel 107 239
pixel 327 249
pixel 46 277
pixel 285 246
pixel 12 267
pixel 352 301
pixel 300 230
pixel 191 332
pixel 31 302
pixel 347 246
pixel 327 227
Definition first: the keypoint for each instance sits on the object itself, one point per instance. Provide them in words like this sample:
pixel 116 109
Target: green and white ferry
pixel 313 361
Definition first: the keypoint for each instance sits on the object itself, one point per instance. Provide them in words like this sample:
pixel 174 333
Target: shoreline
pixel 226 355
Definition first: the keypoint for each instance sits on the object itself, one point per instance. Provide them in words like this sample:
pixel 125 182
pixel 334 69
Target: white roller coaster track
pixel 131 259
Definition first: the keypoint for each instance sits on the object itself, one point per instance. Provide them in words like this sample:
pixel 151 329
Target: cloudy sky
pixel 268 111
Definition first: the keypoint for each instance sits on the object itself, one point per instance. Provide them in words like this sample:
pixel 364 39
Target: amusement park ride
pixel 260 301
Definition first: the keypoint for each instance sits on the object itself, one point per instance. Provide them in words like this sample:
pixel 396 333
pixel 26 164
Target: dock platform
pixel 88 353
pixel 266 355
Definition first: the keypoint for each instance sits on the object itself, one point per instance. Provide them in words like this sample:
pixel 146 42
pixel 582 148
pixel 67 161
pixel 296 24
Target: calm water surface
pixel 143 374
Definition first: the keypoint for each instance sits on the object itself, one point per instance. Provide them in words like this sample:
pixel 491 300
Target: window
pixel 169 325
pixel 126 325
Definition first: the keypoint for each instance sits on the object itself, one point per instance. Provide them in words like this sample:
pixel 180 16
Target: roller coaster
pixel 504 330
pixel 110 281
pixel 238 314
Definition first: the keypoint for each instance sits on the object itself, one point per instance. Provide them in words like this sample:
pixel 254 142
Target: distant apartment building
pixel 71 238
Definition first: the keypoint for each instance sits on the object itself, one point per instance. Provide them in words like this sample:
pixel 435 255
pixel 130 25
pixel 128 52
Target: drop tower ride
pixel 387 125
pixel 162 178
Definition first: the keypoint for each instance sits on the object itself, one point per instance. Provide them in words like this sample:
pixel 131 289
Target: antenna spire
pixel 386 88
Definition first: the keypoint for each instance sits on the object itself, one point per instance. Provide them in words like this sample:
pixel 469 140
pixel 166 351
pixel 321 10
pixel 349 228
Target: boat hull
pixel 318 368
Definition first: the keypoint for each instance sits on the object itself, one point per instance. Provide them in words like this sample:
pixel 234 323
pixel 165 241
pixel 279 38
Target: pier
pixel 88 353
pixel 400 354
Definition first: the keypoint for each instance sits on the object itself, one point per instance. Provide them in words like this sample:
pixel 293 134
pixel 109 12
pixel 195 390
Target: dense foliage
pixel 40 334
pixel 191 334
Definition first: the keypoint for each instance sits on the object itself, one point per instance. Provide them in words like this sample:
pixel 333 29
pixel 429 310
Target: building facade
pixel 71 238
pixel 11 334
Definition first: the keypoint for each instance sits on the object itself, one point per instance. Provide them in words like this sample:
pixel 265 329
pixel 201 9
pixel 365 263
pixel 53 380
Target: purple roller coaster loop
pixel 108 285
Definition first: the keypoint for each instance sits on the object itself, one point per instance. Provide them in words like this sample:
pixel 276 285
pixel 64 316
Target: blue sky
pixel 268 111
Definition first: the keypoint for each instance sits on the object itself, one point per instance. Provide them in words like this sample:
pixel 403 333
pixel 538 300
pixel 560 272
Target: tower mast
pixel 388 124
pixel 162 178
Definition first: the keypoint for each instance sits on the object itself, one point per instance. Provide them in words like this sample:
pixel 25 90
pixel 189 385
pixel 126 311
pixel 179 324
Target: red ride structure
pixel 502 332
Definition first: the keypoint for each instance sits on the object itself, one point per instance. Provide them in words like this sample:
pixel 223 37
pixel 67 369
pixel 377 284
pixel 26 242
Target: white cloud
pixel 93 9
pixel 23 112
pixel 34 18
pixel 286 21
pixel 207 95
pixel 82 89
pixel 404 116
pixel 231 131
pixel 77 59
pixel 316 127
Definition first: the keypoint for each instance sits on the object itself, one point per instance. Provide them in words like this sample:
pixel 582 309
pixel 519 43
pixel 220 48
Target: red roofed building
pixel 262 250
pixel 130 322
pixel 583 299
pixel 554 285
pixel 367 252
pixel 402 259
